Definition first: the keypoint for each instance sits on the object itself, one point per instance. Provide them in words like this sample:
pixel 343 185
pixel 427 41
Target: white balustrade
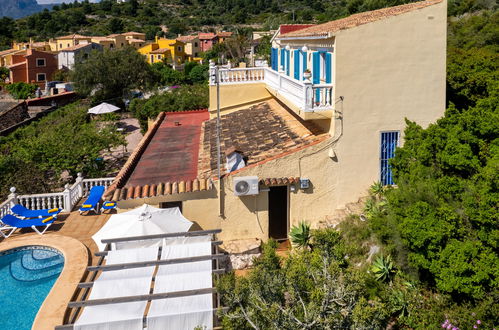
pixel 241 75
pixel 5 207
pixel 305 95
pixel 42 201
pixel 322 96
pixel 89 183
pixel 65 200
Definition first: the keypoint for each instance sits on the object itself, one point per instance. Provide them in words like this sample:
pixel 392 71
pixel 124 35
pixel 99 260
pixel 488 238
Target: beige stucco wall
pixel 386 71
pixel 247 216
pixel 237 96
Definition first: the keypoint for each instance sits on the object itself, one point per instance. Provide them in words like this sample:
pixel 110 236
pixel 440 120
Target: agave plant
pixel 300 235
pixel 383 268
pixel 377 190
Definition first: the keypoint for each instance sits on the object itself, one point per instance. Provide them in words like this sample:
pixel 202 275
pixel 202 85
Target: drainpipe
pixel 220 205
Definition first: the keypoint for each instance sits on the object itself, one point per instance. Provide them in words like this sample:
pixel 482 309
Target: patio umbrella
pixel 145 220
pixel 103 108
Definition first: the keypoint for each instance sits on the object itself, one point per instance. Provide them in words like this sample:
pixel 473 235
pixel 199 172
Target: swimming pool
pixel 26 276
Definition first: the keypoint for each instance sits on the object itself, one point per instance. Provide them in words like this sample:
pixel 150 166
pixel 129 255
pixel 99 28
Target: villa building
pixel 192 47
pixel 68 41
pixel 68 56
pixel 207 41
pixel 303 138
pixel 171 51
pixel 33 67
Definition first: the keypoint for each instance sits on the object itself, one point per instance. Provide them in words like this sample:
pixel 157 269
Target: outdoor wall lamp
pixel 288 47
pixel 304 48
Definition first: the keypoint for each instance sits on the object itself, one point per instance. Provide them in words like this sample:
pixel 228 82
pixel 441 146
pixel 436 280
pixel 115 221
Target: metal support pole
pixel 219 152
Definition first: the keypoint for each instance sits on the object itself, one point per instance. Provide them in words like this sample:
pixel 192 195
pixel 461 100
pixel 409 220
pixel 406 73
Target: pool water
pixel 26 276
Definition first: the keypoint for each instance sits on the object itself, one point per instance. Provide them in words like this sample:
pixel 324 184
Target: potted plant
pixel 307 74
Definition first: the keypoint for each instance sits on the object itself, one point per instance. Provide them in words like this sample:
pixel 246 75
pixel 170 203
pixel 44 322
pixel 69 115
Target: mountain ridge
pixel 21 8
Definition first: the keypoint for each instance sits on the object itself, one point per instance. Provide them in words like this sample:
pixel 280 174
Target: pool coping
pixel 53 309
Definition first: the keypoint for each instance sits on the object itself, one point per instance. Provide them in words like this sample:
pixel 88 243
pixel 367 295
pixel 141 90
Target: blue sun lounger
pixel 108 205
pixel 93 199
pixel 24 212
pixel 12 223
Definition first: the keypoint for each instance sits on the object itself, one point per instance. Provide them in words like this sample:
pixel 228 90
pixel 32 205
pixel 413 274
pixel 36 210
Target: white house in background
pixel 68 56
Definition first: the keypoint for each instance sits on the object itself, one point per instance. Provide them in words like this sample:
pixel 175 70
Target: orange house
pixel 34 67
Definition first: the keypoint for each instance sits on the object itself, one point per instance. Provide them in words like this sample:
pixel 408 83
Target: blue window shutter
pixel 304 60
pixel 281 63
pixel 329 60
pixel 274 62
pixel 316 73
pixel 288 61
pixel 297 64
pixel 389 141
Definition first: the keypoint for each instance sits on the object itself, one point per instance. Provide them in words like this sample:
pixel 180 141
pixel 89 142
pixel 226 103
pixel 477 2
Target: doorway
pixel 278 212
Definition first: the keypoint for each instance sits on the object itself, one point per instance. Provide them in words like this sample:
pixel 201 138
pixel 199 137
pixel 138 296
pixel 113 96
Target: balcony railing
pixel 65 200
pixel 305 95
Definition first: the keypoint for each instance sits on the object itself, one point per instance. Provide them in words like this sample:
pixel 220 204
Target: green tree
pixel 115 25
pixel 111 74
pixel 33 157
pixel 182 98
pixel 21 90
pixel 4 73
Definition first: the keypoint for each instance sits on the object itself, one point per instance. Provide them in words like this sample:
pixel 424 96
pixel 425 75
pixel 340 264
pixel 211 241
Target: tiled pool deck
pixel 72 235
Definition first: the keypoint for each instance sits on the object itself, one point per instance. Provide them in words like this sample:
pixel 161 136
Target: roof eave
pixel 320 37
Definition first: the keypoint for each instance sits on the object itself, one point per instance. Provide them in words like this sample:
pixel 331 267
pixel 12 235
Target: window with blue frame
pixel 389 141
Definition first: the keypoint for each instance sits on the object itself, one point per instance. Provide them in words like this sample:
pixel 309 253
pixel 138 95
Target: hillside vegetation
pixel 171 17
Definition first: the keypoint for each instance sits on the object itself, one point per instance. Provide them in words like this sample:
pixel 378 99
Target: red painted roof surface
pixel 172 154
pixel 287 28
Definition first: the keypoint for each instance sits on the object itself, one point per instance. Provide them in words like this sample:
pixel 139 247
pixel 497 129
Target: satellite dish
pixel 242 187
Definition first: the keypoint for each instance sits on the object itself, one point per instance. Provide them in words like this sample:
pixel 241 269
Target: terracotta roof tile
pixel 260 132
pixel 132 33
pixel 160 51
pixel 206 35
pixel 74 36
pixel 187 38
pixel 279 181
pixel 359 19
pixel 161 189
pixel 287 28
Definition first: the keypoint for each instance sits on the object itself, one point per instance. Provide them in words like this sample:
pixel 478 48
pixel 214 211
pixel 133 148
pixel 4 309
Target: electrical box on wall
pixel 304 183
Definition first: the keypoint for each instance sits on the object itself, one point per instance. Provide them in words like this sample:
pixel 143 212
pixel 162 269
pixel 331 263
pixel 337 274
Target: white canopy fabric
pixel 145 220
pixel 120 283
pixel 189 312
pixel 103 108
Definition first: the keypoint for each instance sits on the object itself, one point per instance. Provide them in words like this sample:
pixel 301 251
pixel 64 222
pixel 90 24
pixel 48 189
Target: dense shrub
pixel 183 98
pixel 32 158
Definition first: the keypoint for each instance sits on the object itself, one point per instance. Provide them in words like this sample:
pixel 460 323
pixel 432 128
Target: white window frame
pixel 44 63
pixel 38 75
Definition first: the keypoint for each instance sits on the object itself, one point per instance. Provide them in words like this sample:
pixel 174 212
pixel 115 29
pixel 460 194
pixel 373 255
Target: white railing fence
pixel 304 94
pixel 322 96
pixel 65 200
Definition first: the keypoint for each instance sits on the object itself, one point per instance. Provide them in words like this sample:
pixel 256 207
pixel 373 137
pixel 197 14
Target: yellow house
pixel 134 35
pixel 192 47
pixel 68 41
pixel 170 50
pixel 41 46
pixel 6 56
pixel 177 50
pixel 300 140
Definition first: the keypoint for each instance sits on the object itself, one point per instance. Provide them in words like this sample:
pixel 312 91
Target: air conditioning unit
pixel 246 185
